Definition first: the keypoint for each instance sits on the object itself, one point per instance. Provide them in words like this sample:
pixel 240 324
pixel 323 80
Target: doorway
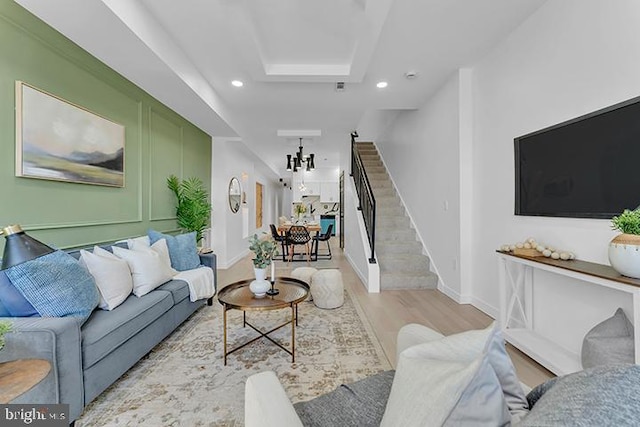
pixel 258 205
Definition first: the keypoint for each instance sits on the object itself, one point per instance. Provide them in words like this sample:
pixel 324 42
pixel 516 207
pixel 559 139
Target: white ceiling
pixel 289 54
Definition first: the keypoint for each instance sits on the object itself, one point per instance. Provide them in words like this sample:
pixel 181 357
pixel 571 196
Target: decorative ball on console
pixel 531 247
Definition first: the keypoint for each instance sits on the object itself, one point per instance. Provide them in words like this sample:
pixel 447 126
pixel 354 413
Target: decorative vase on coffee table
pixel 260 286
pixel 624 255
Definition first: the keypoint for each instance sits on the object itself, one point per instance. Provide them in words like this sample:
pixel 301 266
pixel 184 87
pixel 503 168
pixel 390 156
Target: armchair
pixel 267 404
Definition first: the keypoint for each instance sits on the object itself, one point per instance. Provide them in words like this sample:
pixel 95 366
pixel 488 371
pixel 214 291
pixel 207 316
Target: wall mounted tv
pixel 588 167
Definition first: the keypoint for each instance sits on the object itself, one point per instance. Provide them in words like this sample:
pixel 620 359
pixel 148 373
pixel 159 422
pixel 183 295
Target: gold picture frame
pixel 58 140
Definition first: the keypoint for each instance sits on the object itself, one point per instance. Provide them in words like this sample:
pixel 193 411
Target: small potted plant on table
pixel 263 249
pixel 624 249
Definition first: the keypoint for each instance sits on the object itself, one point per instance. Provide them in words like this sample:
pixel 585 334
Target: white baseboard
pixel 233 260
pixel 486 308
pixel 454 295
pixel 358 272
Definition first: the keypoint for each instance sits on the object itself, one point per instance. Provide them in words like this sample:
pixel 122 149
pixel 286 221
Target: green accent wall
pixel 159 142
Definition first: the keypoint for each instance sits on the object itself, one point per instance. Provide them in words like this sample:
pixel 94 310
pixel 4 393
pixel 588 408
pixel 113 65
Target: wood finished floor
pixel 388 311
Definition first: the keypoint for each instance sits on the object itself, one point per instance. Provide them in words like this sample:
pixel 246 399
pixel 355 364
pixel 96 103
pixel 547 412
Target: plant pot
pixel 624 255
pixel 260 286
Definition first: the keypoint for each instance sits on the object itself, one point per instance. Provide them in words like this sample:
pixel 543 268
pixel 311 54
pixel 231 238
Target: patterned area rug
pixel 183 381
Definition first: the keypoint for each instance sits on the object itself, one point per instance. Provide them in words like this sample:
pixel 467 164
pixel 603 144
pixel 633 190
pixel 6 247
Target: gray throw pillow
pixel 359 404
pixel 609 342
pixel 601 396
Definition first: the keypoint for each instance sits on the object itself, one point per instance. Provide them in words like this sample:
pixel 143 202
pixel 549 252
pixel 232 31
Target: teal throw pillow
pixel 182 249
pixel 56 285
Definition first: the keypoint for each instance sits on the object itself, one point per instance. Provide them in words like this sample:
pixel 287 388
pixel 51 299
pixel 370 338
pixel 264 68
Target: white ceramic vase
pixel 624 255
pixel 260 286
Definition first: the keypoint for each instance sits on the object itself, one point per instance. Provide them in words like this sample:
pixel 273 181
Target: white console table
pixel 516 298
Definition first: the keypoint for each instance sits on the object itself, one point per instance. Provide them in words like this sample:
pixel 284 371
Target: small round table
pixel 238 296
pixel 19 376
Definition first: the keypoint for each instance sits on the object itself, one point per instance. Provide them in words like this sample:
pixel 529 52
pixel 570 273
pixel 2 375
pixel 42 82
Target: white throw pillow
pixel 160 247
pixel 148 268
pixel 142 240
pixel 111 274
pixel 447 382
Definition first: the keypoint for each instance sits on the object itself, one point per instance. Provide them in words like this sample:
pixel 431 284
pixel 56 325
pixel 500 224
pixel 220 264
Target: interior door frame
pixel 259 203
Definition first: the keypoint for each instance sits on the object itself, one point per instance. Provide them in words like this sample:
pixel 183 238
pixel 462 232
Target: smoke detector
pixel 339 86
pixel 411 74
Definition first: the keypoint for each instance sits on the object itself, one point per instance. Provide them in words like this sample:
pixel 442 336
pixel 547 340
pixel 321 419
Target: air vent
pixel 339 86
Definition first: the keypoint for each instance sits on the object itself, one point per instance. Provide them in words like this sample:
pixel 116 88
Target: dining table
pixel 311 228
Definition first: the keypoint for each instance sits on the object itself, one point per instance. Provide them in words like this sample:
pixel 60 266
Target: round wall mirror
pixel 235 193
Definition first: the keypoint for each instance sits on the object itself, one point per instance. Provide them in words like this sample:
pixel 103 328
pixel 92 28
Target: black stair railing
pixel 366 200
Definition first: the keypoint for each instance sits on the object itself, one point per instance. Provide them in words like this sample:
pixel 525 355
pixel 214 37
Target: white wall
pixel 570 58
pixel 228 234
pixel 421 152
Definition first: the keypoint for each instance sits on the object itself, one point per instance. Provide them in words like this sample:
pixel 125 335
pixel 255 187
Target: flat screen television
pixel 587 167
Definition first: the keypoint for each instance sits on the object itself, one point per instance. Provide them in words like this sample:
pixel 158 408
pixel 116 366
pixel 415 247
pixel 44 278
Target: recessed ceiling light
pixel 237 83
pixel 381 85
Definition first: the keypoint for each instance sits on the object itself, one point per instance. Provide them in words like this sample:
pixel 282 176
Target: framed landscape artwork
pixel 61 141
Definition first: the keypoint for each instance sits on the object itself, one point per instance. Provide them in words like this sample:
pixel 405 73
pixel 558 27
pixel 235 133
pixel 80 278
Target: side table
pixel 19 376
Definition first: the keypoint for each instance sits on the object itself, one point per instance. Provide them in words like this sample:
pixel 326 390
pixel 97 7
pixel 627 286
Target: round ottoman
pixel 305 274
pixel 327 289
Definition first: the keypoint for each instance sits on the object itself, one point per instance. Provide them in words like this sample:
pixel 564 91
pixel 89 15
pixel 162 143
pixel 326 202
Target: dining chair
pixel 323 238
pixel 280 238
pixel 298 235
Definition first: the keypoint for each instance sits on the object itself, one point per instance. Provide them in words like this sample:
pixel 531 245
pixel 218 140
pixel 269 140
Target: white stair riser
pixel 393 234
pixel 404 266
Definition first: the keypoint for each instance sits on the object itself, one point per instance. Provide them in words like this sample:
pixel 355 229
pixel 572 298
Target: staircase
pixel 399 253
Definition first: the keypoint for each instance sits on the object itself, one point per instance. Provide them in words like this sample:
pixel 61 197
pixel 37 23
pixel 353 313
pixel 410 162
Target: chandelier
pixel 295 161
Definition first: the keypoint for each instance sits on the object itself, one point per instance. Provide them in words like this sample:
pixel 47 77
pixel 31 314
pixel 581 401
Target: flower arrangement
pixel 300 209
pixel 263 249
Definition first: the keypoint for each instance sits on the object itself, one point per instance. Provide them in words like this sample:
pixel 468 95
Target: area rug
pixel 183 381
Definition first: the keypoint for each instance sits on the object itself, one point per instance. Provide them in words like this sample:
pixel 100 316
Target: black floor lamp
pixel 20 247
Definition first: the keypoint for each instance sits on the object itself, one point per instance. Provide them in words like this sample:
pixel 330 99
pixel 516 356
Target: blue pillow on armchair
pixel 12 302
pixel 182 249
pixel 56 285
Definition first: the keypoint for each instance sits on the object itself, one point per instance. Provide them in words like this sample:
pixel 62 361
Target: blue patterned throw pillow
pixel 56 285
pixel 182 249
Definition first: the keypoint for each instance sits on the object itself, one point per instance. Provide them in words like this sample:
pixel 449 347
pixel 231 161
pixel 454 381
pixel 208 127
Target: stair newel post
pixel 372 260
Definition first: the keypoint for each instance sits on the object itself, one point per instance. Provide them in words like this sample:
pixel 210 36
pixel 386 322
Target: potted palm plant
pixel 624 249
pixel 263 250
pixel 193 209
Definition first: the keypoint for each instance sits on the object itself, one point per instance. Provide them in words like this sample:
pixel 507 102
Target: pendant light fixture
pixel 295 161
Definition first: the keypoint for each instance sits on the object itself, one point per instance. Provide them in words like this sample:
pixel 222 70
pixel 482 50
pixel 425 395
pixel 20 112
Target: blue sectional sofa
pixel 88 358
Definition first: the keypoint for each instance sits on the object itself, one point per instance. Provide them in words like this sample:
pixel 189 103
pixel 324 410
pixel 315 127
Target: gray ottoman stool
pixel 305 274
pixel 327 289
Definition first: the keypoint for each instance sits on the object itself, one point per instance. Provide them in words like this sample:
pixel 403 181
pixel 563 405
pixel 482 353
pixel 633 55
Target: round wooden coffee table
pixel 238 296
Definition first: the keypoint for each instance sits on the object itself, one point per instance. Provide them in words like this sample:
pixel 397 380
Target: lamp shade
pixel 288 162
pixel 19 247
